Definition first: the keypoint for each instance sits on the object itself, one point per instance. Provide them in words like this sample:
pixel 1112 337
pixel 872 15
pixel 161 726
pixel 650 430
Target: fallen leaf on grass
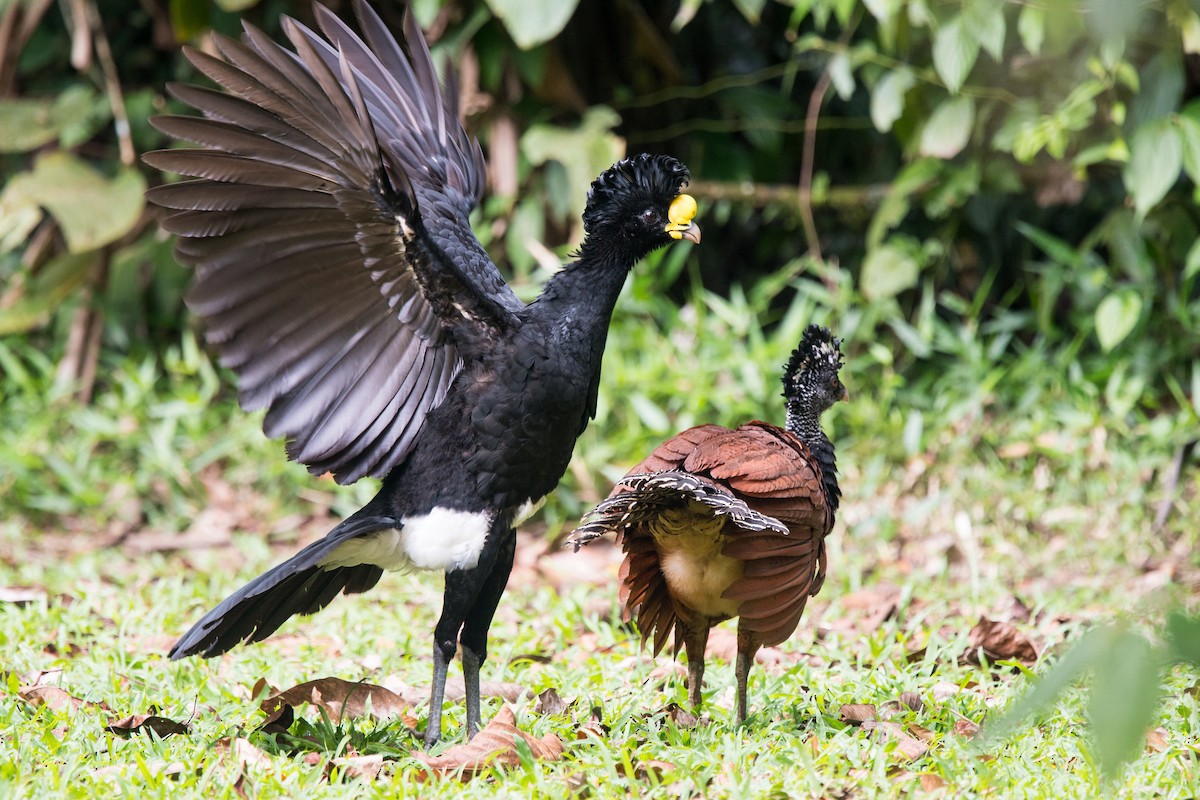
pixel 594 727
pixel 21 595
pixel 550 703
pixel 910 747
pixel 912 701
pixel 857 713
pixel 998 641
pixel 243 752
pixel 680 716
pixel 495 744
pixel 161 727
pixel 365 767
pixel 920 732
pixel 931 782
pixel 55 699
pixel 1156 740
pixel 965 728
pixel 343 700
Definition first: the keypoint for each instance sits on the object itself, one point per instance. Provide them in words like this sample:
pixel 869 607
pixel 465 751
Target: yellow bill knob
pixel 681 212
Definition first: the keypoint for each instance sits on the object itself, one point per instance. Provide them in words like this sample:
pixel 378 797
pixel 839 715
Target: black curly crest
pixel 818 348
pixel 645 176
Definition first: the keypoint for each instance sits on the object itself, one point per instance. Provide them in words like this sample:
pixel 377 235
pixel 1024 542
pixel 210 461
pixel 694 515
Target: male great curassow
pixel 338 276
pixel 718 523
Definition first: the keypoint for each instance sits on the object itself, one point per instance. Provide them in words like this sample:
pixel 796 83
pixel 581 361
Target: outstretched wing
pixel 327 220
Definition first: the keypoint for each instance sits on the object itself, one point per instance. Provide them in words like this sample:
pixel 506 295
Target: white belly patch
pixel 445 539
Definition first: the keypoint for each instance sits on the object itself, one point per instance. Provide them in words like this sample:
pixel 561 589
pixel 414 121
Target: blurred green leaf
pixel 985 18
pixel 1031 27
pixel 887 98
pixel 887 271
pixel 1083 655
pixel 531 22
pixel 584 151
pixel 751 9
pixel 955 50
pixel 236 6
pixel 1155 160
pixel 29 124
pixel 1124 699
pixel 1116 317
pixel 1183 637
pixel 1192 263
pixel 948 129
pixel 55 282
pixel 190 18
pixel 841 75
pixel 91 210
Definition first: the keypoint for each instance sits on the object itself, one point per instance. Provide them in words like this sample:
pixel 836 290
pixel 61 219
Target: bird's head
pixel 810 378
pixel 637 203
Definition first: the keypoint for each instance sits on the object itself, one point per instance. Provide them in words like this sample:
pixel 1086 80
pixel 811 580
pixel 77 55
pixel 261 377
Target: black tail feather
pixel 297 586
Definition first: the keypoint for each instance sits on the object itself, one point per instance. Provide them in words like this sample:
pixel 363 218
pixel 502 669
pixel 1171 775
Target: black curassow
pixel 720 523
pixel 337 275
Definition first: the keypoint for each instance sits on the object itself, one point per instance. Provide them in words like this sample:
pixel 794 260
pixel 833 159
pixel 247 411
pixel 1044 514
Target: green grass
pixel 1004 476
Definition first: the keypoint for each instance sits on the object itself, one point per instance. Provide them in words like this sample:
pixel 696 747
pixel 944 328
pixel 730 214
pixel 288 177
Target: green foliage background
pixel 993 202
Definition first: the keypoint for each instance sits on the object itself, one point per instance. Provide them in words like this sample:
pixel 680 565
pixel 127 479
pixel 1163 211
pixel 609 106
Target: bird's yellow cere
pixel 680 213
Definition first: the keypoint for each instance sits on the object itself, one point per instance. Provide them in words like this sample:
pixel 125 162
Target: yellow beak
pixel 681 212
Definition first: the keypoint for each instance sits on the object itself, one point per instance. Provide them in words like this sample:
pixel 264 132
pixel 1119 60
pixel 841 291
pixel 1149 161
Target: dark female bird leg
pixel 748 645
pixel 695 640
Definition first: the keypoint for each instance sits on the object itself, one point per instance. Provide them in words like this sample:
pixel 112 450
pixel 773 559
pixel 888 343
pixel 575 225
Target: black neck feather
pixel 806 424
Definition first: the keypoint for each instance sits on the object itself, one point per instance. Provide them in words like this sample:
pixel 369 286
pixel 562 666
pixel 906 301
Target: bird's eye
pixel 649 215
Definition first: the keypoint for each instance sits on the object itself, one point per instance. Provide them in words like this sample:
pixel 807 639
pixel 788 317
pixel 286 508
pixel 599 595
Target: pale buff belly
pixel 689 546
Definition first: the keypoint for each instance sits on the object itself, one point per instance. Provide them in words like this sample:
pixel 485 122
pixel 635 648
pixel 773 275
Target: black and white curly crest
pixel 654 178
pixel 818 351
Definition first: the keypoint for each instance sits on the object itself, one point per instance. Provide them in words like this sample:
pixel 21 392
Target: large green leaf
pixel 531 22
pixel 887 98
pixel 584 152
pixel 1155 160
pixel 27 124
pixel 1116 317
pixel 955 50
pixel 54 283
pixel 1083 656
pixel 1031 27
pixel 91 210
pixel 1124 700
pixel 948 129
pixel 1183 636
pixel 888 270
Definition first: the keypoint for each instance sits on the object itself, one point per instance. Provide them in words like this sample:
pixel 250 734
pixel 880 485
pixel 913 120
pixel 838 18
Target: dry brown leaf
pixel 364 767
pixel 875 605
pixel 931 782
pixel 343 700
pixel 965 728
pixel 22 595
pixel 921 732
pixel 857 713
pixel 550 703
pixel 56 699
pixel 161 727
pixel 1156 740
pixel 944 690
pixel 495 744
pixel 999 641
pixel 909 747
pixel 680 716
pixel 594 727
pixel 912 700
pixel 41 677
pixel 243 752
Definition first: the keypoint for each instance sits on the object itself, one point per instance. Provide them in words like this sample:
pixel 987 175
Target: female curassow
pixel 337 274
pixel 718 523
